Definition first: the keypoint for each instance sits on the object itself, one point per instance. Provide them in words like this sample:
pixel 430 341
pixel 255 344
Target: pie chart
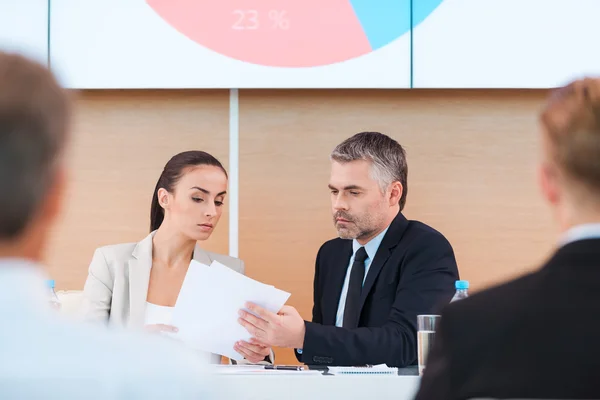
pixel 293 33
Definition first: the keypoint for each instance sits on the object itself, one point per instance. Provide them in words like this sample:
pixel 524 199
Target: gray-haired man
pixel 371 282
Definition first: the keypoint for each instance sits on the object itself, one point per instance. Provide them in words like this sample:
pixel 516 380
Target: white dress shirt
pixel 371 248
pixel 580 232
pixel 45 356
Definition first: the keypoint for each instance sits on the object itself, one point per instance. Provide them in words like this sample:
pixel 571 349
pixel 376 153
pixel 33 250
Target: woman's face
pixel 196 204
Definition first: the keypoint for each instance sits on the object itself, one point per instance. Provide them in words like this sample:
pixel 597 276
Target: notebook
pixel 380 369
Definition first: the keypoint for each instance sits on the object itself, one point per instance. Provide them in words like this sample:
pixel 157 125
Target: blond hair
pixel 571 121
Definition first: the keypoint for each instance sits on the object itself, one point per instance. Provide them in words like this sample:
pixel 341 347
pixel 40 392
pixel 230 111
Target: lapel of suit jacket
pixel 331 295
pixel 390 241
pixel 139 278
pixel 140 266
pixel 201 256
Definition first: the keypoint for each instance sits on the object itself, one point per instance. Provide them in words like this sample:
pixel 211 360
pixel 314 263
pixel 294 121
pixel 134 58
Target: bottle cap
pixel 462 284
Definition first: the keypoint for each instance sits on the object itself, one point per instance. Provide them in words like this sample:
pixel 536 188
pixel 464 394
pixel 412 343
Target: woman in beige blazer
pixel 136 284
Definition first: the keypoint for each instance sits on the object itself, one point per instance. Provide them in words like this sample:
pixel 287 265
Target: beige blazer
pixel 117 285
pixel 116 288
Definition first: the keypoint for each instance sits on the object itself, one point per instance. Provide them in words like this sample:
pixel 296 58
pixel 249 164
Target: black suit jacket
pixel 413 272
pixel 535 337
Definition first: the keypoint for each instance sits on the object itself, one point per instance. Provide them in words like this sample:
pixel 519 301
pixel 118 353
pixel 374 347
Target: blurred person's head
pixel 34 125
pixel 569 172
pixel 189 195
pixel 368 185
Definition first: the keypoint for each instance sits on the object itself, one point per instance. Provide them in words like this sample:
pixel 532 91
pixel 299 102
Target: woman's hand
pixel 160 328
pixel 254 353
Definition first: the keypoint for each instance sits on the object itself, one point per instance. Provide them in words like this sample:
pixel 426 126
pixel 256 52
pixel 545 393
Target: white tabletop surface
pixel 299 385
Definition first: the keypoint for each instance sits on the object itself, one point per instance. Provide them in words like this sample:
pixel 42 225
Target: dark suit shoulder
pixel 490 309
pixel 419 229
pixel 477 331
pixel 419 235
pixel 333 245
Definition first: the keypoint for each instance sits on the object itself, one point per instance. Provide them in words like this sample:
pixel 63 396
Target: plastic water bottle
pixel 461 290
pixel 52 297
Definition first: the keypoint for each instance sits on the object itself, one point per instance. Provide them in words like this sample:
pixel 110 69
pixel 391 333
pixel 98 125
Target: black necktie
pixel 357 275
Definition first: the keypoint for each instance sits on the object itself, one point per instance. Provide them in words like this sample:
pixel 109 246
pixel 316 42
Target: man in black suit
pixel 372 282
pixel 538 336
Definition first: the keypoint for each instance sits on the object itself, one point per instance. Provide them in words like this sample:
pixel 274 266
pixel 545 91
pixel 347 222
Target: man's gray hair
pixel 387 157
pixel 33 127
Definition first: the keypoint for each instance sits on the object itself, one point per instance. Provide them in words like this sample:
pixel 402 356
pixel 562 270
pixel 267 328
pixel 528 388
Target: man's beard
pixel 354 229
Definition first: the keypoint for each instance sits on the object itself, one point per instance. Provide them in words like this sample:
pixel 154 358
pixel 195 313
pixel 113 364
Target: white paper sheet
pixel 206 312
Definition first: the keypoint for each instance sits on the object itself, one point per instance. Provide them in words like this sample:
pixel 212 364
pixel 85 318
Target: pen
pixel 284 367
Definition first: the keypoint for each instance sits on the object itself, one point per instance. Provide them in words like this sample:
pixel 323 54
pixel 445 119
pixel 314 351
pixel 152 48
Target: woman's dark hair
pixel 171 175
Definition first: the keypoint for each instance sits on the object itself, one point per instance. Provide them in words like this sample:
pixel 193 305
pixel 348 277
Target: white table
pixel 292 386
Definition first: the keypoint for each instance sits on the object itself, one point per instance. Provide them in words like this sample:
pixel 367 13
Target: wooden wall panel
pixel 121 141
pixel 471 158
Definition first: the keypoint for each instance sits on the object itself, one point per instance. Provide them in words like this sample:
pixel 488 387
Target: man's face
pixel 358 206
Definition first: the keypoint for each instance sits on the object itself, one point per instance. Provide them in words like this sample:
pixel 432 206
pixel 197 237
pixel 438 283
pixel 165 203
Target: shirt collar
pixel 580 232
pixel 372 246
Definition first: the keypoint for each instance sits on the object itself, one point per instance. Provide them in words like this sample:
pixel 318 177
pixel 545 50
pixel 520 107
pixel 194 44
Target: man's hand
pixel 284 329
pixel 254 353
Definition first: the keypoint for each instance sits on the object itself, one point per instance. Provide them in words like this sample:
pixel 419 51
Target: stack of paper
pixel 371 369
pixel 206 312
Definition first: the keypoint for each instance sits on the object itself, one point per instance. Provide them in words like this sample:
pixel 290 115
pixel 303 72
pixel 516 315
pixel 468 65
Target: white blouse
pixel 156 314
